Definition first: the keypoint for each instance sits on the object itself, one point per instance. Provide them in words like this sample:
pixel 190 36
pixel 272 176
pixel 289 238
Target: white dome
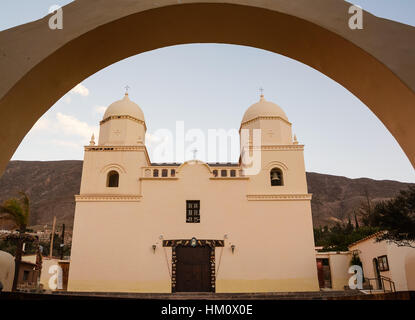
pixel 124 107
pixel 263 108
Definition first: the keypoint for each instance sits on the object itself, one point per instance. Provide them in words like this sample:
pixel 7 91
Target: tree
pixel 397 218
pixel 365 211
pixel 17 211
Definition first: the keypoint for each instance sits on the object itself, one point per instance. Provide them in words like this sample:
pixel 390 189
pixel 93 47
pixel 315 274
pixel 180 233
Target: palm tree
pixel 17 210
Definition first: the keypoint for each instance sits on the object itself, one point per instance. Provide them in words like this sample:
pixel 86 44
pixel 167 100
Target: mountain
pixel 52 185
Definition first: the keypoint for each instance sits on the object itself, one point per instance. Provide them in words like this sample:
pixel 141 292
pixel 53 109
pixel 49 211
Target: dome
pixel 124 107
pixel 263 108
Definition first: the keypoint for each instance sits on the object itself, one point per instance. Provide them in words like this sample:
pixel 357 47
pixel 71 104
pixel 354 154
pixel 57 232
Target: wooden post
pixel 52 236
pixel 62 241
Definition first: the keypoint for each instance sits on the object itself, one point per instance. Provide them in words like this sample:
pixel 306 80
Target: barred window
pixel 233 173
pixel 155 173
pixel 193 211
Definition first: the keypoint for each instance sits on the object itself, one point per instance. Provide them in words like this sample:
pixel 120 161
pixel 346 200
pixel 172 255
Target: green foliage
pixel 57 240
pixel 397 218
pixel 11 246
pixel 17 210
pixel 356 260
pixel 340 236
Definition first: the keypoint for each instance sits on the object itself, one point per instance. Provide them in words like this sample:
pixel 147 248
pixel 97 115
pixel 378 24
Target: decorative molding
pixel 194 162
pixel 277 164
pixel 199 243
pixel 124 117
pixel 265 118
pixel 158 178
pixel 278 197
pixel 229 178
pixel 115 148
pixel 105 198
pixel 136 148
pixel 110 166
pixel 283 147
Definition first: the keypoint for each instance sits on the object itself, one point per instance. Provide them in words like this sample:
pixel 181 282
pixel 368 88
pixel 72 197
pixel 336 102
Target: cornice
pixel 229 178
pixel 265 118
pixel 158 178
pixel 278 197
pixel 124 117
pixel 105 198
pixel 283 147
pixel 103 148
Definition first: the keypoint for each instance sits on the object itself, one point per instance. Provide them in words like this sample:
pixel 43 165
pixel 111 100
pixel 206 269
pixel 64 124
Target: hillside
pixel 53 184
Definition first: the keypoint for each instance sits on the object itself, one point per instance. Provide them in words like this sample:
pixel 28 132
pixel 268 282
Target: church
pixel 193 226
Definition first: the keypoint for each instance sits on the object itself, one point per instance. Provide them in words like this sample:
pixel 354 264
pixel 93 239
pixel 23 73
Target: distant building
pixel 332 269
pixel 28 276
pixel 46 272
pixel 386 260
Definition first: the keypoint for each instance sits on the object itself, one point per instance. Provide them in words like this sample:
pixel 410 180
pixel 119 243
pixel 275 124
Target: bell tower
pixel 123 124
pixel 113 166
pixel 276 156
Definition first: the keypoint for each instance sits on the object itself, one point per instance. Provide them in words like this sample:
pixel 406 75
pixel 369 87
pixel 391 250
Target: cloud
pixel 70 144
pixel 100 110
pixel 73 126
pixel 42 124
pixel 81 90
pixel 67 99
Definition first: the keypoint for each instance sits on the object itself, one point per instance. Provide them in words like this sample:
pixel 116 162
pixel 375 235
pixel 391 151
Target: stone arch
pixel 113 166
pixel 194 162
pixel 277 164
pixel 375 64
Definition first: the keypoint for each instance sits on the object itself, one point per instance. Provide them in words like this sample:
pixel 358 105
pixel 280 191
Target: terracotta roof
pixel 366 238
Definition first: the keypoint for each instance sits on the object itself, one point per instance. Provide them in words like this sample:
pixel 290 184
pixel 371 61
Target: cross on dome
pixel 262 92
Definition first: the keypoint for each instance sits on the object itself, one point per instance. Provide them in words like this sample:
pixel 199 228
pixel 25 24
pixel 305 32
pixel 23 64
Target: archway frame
pixel 375 64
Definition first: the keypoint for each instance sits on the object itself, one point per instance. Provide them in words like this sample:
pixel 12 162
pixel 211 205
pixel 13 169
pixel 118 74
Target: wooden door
pixel 193 269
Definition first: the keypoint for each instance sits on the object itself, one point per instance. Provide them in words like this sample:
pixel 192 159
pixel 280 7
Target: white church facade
pixel 194 226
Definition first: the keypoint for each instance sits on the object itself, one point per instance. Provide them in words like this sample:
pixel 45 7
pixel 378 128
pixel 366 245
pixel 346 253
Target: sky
pixel 209 86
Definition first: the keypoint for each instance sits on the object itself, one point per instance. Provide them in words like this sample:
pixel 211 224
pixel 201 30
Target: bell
pixel 275 176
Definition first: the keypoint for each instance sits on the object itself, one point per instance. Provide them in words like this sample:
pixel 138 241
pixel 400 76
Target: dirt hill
pixel 52 185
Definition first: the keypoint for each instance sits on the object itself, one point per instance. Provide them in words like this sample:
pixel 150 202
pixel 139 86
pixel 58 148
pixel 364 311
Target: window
pixel 155 173
pixel 164 173
pixel 173 172
pixel 224 173
pixel 25 275
pixel 233 173
pixel 276 177
pixel 113 179
pixel 215 173
pixel 193 211
pixel 383 263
